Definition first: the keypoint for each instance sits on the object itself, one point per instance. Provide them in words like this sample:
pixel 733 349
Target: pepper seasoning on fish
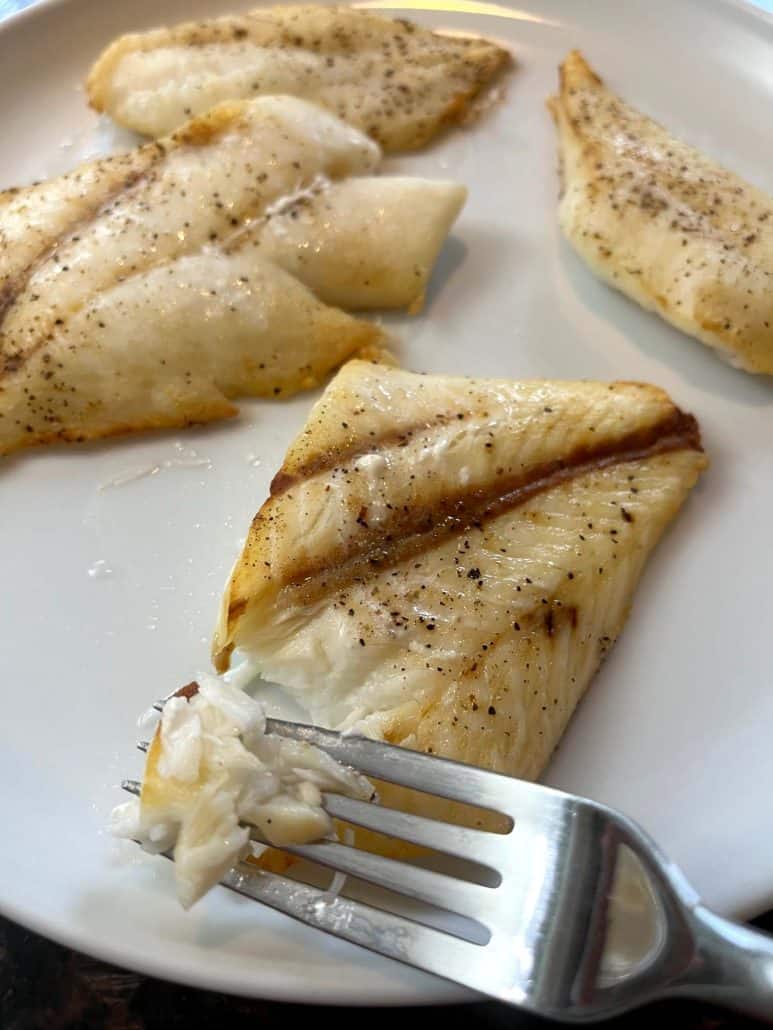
pixel 398 82
pixel 443 563
pixel 669 227
pixel 151 289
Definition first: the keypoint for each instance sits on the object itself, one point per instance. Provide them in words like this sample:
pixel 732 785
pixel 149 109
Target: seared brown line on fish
pixel 443 563
pixel 663 223
pixel 394 80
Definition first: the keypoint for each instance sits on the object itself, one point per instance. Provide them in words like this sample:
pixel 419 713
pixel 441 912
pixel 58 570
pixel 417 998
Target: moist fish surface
pixel 443 563
pixel 212 772
pixel 394 80
pixel 151 289
pixel 663 223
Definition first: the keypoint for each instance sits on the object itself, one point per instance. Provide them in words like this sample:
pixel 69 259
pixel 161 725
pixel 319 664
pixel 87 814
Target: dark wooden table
pixel 46 987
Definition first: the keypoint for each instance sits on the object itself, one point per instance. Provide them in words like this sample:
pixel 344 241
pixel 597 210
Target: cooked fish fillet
pixel 664 224
pixel 363 242
pixel 143 293
pixel 443 563
pixel 399 83
pixel 32 218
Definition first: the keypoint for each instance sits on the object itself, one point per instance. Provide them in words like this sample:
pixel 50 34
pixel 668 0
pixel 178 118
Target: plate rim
pixel 437 991
pixel 128 955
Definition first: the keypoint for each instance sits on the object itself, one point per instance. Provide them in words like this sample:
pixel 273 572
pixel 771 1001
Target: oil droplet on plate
pixel 100 570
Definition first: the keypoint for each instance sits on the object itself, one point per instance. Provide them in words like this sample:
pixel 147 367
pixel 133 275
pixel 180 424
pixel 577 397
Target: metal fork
pixel 589 917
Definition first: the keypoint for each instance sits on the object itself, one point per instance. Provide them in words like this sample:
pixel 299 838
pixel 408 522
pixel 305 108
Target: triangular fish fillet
pixel 664 224
pixel 394 80
pixel 443 563
pixel 149 289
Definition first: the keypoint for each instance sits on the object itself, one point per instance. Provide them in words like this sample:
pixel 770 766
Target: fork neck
pixel 732 965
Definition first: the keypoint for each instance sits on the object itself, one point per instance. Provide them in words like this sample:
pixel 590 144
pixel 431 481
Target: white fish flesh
pixel 394 80
pixel 150 290
pixel 363 243
pixel 212 771
pixel 663 223
pixel 444 562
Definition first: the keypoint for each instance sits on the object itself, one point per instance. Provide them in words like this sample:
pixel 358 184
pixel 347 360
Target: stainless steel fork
pixel 588 918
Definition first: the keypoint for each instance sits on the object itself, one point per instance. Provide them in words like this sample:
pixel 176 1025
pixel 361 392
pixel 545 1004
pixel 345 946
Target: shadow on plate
pixel 689 358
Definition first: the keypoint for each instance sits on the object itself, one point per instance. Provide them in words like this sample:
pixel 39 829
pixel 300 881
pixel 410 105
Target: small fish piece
pixel 399 83
pixel 443 563
pixel 139 292
pixel 212 772
pixel 663 223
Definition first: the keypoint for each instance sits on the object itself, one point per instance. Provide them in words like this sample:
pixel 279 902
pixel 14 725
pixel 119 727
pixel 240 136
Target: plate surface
pixel 109 591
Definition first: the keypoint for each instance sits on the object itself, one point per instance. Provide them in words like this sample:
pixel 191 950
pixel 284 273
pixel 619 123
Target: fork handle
pixel 732 965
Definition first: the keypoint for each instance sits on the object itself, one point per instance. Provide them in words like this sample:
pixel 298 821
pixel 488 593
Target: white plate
pixel 676 728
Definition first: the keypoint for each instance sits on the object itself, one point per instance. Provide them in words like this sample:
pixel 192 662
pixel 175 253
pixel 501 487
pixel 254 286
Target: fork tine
pixel 427 773
pixel 446 778
pixel 460 896
pixel 383 932
pixel 460 841
pixel 448 892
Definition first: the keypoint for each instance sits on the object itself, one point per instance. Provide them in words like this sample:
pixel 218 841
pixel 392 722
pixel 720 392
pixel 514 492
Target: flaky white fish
pixel 213 772
pixel 154 288
pixel 444 562
pixel 394 80
pixel 663 223
pixel 363 243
